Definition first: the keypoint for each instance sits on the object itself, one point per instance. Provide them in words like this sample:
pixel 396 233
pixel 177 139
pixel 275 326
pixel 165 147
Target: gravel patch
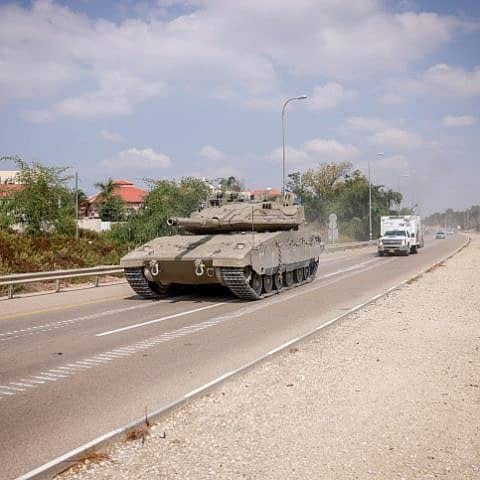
pixel 390 392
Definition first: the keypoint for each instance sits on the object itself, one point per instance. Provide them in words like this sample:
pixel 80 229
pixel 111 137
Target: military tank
pixel 254 248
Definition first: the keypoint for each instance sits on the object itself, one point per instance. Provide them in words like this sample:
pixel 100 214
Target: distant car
pixel 440 236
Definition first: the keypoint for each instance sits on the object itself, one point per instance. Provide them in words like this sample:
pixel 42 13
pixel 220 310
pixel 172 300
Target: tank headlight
pixel 239 246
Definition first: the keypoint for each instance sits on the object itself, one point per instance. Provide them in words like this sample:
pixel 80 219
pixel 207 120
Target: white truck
pixel 400 235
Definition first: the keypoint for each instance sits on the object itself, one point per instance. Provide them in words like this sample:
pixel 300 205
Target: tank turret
pixel 241 216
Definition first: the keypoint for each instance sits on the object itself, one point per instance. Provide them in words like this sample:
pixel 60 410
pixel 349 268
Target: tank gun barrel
pixel 172 221
pixel 186 222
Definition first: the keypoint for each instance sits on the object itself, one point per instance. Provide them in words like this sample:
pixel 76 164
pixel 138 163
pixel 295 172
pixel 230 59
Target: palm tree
pixel 106 190
pixel 230 183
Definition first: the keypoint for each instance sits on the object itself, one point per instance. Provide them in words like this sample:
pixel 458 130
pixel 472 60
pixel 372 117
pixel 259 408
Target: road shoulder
pixel 390 392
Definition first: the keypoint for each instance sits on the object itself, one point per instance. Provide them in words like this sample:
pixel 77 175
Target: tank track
pixel 236 281
pixel 140 285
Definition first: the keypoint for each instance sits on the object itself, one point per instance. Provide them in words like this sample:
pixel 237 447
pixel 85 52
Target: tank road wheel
pixel 267 283
pixel 256 283
pixel 288 278
pixel 277 281
pixel 313 268
pixel 299 275
pixel 306 273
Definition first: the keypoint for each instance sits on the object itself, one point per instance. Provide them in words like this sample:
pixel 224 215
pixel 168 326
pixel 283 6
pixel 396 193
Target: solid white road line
pixel 157 320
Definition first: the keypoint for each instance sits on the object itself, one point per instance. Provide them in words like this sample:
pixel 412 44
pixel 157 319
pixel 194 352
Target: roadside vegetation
pixel 335 188
pixel 37 222
pixel 467 219
pixel 22 252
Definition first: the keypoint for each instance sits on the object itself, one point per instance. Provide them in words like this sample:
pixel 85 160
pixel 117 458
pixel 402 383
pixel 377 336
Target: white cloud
pixel 211 153
pixel 396 139
pixel 329 96
pixel 368 124
pixel 328 149
pixel 315 151
pixel 399 163
pixel 440 80
pixel 391 99
pixel 111 136
pixel 451 81
pixel 138 159
pixel 220 47
pixel 118 93
pixel 459 121
pixel 292 155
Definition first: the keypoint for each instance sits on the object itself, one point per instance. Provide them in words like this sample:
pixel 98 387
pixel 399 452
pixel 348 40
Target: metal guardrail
pixel 97 272
pixel 57 275
pixel 335 247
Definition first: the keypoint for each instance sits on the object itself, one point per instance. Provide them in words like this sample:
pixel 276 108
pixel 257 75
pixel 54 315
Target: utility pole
pixel 370 199
pixel 76 206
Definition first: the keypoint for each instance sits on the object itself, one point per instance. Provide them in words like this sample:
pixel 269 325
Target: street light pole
pixel 370 199
pixel 399 178
pixel 76 206
pixel 301 97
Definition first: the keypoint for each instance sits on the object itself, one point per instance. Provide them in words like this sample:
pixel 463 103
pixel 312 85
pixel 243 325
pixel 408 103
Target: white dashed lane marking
pixel 46 327
pixel 157 320
pixel 69 369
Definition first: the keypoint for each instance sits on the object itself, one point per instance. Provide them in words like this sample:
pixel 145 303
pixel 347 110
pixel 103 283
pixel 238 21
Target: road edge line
pixel 60 464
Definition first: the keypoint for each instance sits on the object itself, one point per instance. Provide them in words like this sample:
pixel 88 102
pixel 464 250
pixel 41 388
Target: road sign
pixel 332 228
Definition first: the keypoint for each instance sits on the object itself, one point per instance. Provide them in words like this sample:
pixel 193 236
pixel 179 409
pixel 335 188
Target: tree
pixel 230 184
pixel 106 190
pixel 112 207
pixel 112 210
pixel 324 178
pixel 332 188
pixel 167 198
pixel 44 201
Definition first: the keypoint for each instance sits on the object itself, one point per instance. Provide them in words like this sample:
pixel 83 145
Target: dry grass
pixel 293 350
pixel 88 458
pixel 139 433
pixel 414 279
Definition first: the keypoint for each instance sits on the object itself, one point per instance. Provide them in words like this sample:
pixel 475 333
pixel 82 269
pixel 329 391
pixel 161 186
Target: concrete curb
pixel 62 463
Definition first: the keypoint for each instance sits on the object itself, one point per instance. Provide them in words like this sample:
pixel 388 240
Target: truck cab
pixel 400 235
pixel 395 242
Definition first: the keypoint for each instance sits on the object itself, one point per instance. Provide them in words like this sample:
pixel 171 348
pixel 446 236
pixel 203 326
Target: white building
pixel 8 177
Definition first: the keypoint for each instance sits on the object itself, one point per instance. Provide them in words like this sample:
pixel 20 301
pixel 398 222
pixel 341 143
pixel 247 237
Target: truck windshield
pixel 395 233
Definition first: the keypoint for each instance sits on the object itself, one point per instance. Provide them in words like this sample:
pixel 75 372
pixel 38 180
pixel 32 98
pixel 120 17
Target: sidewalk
pixel 391 392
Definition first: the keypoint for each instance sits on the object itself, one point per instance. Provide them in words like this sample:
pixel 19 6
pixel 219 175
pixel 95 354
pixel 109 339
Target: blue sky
pixel 165 88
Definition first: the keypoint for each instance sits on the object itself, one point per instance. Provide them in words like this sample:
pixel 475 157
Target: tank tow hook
pixel 199 267
pixel 154 270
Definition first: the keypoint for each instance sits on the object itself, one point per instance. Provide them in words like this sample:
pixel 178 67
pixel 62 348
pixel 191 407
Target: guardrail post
pixel 57 285
pixel 97 280
pixel 10 290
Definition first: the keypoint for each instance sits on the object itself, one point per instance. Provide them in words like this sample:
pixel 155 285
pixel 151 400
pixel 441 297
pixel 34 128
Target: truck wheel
pixel 413 249
pixel 407 252
pixel 380 254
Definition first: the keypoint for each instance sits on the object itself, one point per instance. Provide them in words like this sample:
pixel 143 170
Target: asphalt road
pixel 78 364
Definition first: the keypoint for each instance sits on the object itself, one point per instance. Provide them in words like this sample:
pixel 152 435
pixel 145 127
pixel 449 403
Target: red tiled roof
pixel 7 189
pixel 272 192
pixel 127 191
